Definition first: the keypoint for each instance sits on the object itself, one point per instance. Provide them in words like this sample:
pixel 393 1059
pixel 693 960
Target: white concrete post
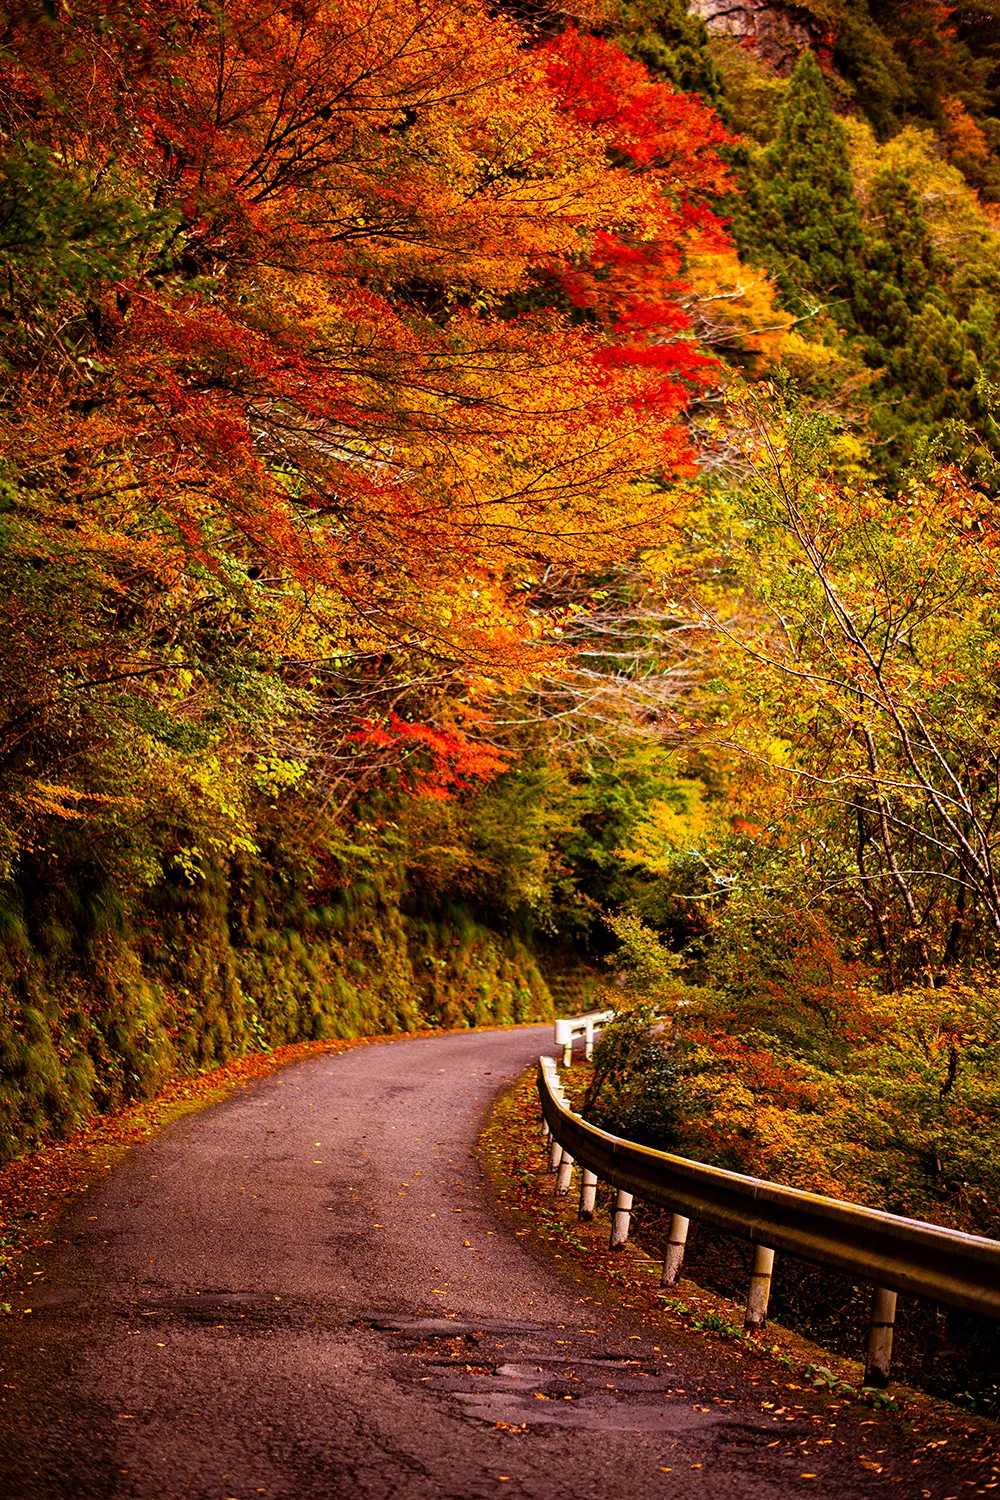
pixel 565 1176
pixel 556 1151
pixel 620 1219
pixel 545 1129
pixel 760 1289
pixel 588 1041
pixel 673 1250
pixel 883 1318
pixel 588 1195
pixel 567 1053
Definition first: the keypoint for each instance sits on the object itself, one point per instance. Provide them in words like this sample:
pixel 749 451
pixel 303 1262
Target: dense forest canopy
pixel 487 494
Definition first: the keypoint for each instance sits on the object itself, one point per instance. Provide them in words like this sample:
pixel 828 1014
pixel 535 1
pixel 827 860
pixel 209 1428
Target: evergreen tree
pixel 808 229
pixel 898 266
pixel 939 368
pixel 935 388
pixel 863 54
pixel 672 44
pixel 933 365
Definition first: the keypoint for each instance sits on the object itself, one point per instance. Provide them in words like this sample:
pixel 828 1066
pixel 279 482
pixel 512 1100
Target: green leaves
pixel 807 225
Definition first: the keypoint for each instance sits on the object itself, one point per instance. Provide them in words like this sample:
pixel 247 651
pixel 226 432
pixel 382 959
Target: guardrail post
pixel 673 1253
pixel 567 1052
pixel 620 1219
pixel 588 1041
pixel 760 1289
pixel 883 1318
pixel 565 1175
pixel 555 1155
pixel 588 1195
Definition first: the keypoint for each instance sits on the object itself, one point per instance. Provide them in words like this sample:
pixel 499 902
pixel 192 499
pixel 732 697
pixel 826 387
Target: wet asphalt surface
pixel 307 1292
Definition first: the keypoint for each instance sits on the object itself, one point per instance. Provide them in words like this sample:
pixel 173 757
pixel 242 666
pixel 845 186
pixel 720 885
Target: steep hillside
pixel 893 64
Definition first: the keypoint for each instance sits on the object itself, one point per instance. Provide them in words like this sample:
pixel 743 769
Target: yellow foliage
pixel 670 827
pixel 958 223
pixel 732 305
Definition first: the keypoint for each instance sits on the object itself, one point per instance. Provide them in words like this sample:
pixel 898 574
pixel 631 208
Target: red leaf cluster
pixel 394 326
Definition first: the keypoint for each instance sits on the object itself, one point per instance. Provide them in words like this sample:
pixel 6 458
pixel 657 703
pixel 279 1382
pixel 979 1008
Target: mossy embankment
pixel 103 999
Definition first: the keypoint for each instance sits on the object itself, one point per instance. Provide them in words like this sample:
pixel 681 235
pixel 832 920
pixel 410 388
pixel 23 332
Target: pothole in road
pixel 251 1309
pixel 522 1376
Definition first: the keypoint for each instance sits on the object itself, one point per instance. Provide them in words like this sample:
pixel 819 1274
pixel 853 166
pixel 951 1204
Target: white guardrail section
pixel 584 1026
pixel 890 1253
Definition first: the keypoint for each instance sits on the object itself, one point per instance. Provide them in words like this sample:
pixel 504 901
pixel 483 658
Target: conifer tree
pixel 898 265
pixel 808 224
pixel 671 43
pixel 942 368
pixel 934 366
pixel 936 387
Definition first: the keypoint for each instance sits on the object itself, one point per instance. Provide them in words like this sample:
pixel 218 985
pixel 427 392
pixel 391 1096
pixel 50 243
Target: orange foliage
pixel 437 762
pixel 316 370
pixel 630 278
pixel 962 136
pixel 393 328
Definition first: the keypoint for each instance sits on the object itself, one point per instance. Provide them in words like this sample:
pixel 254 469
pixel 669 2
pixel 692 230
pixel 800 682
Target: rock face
pixel 777 33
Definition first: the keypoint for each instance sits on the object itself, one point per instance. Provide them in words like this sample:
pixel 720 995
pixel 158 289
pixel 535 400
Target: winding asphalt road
pixel 306 1292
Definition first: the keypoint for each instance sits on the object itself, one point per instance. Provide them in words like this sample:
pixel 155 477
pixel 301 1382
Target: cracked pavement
pixel 306 1291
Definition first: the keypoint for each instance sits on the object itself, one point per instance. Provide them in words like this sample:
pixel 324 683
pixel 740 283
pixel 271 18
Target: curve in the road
pixel 306 1292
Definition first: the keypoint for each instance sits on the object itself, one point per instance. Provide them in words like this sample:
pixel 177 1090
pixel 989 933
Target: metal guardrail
pixel 585 1026
pixel 892 1253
